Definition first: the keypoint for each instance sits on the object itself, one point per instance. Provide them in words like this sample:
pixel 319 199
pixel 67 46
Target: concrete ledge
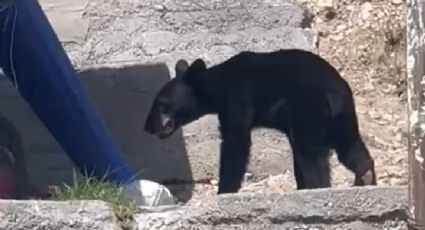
pixel 343 208
pixel 369 208
pixel 46 215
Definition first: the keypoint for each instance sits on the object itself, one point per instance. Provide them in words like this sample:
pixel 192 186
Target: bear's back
pixel 278 73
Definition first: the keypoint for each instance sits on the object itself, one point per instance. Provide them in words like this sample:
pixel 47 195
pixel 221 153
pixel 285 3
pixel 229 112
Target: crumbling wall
pixel 416 105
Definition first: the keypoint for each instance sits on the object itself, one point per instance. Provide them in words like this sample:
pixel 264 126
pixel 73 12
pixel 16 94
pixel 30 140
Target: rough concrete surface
pixel 369 208
pixel 49 215
pixel 125 32
pixel 66 17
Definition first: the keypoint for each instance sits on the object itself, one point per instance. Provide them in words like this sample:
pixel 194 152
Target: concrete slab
pixel 49 215
pixel 158 31
pixel 369 208
pixel 67 19
pixel 123 99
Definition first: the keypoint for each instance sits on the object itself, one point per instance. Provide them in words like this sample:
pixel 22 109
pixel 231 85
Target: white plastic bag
pixel 148 193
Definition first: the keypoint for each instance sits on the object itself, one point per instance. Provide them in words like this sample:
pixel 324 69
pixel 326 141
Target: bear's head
pixel 178 102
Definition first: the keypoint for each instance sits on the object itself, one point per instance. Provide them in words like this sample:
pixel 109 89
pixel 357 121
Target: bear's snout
pixel 159 124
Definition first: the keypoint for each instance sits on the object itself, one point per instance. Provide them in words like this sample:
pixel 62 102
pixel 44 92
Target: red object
pixel 7 185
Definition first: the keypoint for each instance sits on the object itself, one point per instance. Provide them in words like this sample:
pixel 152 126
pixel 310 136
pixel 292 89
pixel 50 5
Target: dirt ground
pixel 365 41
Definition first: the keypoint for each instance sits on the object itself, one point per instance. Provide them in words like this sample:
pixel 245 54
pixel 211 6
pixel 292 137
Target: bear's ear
pixel 181 67
pixel 198 65
pixel 195 72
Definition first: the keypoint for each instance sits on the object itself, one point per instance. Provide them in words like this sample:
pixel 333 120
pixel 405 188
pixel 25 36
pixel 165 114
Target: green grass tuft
pixel 88 188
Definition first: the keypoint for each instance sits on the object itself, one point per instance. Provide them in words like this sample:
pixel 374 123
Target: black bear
pixel 293 91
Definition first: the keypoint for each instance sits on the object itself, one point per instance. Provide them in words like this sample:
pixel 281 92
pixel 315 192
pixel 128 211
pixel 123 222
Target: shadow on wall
pixel 123 95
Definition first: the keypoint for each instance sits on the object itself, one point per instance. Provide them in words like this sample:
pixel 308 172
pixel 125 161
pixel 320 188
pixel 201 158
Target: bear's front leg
pixel 234 158
pixel 235 128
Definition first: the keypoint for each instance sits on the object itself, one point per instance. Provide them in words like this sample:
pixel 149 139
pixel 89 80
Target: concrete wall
pixel 124 35
pixel 124 100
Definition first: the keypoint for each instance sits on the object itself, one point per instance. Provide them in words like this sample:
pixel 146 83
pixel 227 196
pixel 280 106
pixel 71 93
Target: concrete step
pixel 369 208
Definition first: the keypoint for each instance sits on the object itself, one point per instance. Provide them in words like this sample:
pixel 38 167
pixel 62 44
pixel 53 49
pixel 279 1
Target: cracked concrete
pixel 367 208
pixel 343 208
pixel 158 31
pixel 46 215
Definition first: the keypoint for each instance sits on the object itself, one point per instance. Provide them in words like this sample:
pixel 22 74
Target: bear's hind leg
pixel 311 168
pixel 309 147
pixel 358 160
pixel 311 158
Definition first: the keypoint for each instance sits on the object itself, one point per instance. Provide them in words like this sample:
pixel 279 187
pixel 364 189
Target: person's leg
pixel 31 56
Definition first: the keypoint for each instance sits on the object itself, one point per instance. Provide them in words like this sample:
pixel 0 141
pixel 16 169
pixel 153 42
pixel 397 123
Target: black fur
pixel 293 91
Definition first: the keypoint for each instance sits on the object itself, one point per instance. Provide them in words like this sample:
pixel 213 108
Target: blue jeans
pixel 32 57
